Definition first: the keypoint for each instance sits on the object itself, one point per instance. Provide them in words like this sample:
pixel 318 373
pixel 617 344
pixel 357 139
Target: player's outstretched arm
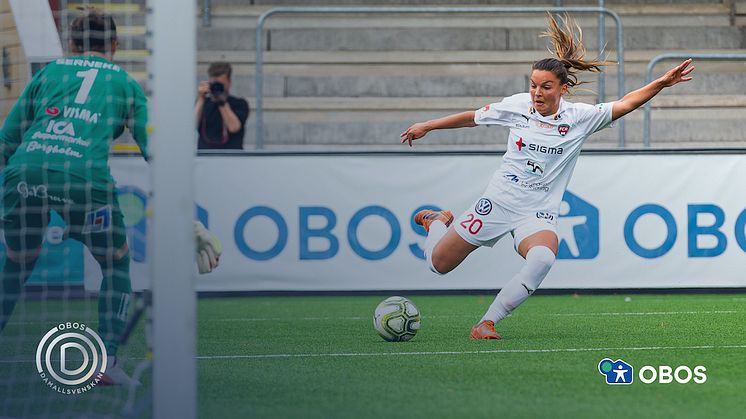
pixel 418 130
pixel 637 98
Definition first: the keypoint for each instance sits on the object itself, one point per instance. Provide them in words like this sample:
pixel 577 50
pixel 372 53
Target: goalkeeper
pixel 55 145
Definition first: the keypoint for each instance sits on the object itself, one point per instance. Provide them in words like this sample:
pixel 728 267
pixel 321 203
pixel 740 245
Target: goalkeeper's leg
pixel 110 249
pixel 15 273
pixel 23 227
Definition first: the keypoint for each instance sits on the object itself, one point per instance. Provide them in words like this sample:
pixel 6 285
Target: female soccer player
pixel 524 195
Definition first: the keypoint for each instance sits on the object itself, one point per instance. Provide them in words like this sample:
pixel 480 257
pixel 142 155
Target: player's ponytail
pixel 567 47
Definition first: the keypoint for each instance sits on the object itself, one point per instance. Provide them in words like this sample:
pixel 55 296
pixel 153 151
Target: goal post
pixel 173 64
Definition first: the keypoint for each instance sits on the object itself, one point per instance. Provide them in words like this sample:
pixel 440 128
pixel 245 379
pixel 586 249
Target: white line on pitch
pixel 494 351
pixel 651 313
pixel 279 319
pixel 647 313
pixel 435 353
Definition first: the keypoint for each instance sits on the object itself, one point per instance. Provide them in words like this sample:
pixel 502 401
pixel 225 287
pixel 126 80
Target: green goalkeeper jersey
pixel 68 115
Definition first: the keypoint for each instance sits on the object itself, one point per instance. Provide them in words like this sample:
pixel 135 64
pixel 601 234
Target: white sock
pixel 436 232
pixel 538 262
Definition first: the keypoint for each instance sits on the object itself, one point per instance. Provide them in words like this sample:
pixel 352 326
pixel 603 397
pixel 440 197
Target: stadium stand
pixel 354 82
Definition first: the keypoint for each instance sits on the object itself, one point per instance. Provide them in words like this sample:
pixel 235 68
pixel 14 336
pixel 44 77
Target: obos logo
pixel 616 372
pixel 71 344
pixel 577 228
pixel 619 372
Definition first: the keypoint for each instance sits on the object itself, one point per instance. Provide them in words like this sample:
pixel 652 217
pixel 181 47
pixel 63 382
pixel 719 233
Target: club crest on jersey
pixel 483 207
pixel 563 129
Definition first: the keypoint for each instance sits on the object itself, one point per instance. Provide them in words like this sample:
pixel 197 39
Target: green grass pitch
pixel 319 357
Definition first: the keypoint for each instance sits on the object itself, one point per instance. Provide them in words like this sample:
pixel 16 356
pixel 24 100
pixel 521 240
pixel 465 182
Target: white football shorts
pixel 487 222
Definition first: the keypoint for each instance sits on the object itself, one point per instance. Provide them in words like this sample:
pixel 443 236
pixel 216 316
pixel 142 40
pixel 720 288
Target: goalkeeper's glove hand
pixel 208 248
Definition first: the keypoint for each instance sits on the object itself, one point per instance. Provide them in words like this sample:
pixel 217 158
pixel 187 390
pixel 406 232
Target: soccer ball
pixel 396 319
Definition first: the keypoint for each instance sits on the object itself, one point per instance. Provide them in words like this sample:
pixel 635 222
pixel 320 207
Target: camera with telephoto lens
pixel 216 89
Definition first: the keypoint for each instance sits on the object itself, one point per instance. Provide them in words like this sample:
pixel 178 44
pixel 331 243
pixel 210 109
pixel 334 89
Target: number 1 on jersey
pixel 89 77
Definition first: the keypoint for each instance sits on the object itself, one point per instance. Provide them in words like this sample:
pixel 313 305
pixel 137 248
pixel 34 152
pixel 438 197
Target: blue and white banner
pixel 345 222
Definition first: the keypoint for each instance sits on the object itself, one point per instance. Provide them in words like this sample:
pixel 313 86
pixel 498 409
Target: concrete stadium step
pixel 632 16
pixel 690 127
pixel 456 104
pixel 457 80
pixel 527 57
pixel 460 39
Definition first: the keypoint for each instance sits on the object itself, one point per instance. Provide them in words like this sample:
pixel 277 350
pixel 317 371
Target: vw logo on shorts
pixel 483 207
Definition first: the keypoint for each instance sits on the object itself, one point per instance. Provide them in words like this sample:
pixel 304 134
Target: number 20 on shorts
pixel 472 224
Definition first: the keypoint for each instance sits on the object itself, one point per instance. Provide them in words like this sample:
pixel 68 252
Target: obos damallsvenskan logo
pixel 71 358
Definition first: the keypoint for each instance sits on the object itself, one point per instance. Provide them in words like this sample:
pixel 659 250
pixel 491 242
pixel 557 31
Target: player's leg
pixel 444 249
pixel 101 228
pixel 23 227
pixel 539 249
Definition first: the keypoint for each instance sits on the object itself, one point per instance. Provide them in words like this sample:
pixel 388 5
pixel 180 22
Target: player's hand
pixel 208 248
pixel 414 132
pixel 203 88
pixel 677 74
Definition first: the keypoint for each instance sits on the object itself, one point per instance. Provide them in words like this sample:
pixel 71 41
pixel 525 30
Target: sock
pixel 113 302
pixel 436 232
pixel 539 260
pixel 14 276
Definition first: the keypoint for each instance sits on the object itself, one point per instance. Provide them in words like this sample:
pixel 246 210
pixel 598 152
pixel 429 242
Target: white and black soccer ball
pixel 396 319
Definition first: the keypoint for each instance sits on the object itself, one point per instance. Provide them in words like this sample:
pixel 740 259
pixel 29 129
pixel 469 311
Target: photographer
pixel 220 117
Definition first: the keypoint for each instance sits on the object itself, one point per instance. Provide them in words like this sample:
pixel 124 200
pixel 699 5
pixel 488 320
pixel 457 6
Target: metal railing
pixel 259 105
pixel 680 56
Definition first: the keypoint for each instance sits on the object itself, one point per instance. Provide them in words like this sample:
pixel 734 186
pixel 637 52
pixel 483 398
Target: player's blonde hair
pixel 569 52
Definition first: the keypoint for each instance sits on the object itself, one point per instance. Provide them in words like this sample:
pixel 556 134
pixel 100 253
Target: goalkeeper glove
pixel 208 248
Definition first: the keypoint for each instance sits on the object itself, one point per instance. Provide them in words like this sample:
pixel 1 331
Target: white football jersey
pixel 541 152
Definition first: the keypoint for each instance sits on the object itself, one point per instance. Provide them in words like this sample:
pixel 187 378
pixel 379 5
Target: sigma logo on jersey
pixel 53 111
pixel 538 148
pixel 98 221
pixel 483 207
pixel 534 168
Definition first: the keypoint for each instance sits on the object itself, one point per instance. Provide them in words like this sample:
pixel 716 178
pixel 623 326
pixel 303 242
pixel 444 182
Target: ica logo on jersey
pixel 60 128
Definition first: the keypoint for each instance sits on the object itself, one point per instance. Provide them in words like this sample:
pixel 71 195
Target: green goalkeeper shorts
pixel 91 213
